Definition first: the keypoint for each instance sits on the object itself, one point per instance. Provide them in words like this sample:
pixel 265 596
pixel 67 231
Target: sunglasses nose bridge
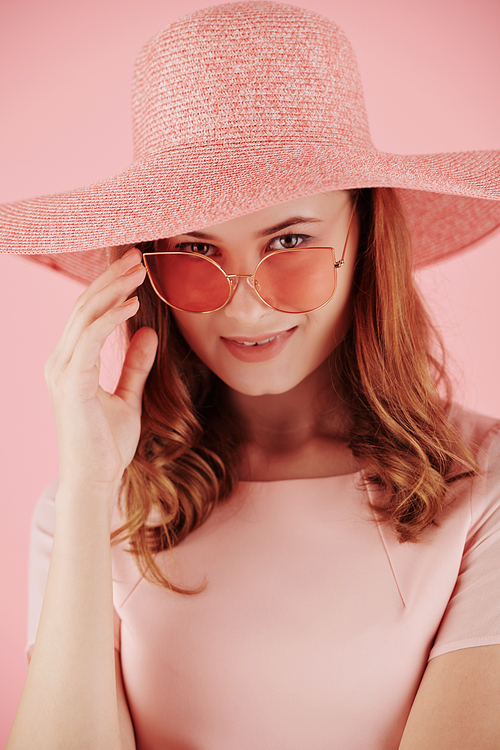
pixel 235 277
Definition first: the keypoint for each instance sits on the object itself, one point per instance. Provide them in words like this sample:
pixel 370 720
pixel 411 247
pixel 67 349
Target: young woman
pixel 305 532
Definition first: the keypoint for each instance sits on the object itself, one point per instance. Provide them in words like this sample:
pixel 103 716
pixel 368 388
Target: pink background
pixel 430 71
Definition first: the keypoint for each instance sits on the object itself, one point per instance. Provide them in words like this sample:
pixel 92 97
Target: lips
pixel 255 343
pixel 258 348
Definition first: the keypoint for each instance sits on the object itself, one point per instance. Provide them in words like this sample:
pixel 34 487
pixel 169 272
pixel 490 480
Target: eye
pixel 288 241
pixel 197 248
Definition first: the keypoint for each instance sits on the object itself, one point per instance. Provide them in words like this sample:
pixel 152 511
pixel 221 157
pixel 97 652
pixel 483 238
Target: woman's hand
pixel 97 431
pixel 70 695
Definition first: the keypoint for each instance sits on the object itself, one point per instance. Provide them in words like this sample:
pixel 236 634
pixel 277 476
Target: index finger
pixel 120 266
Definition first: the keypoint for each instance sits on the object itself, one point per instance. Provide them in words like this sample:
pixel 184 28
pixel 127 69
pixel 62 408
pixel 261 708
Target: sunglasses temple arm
pixel 353 211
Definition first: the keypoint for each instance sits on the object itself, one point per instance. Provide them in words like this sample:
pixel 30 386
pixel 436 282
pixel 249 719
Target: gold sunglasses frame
pixel 233 278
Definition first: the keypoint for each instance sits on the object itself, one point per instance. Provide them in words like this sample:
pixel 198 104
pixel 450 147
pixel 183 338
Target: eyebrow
pixel 264 232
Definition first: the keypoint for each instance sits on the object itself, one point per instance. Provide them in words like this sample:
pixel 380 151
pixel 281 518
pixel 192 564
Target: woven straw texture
pixel 237 107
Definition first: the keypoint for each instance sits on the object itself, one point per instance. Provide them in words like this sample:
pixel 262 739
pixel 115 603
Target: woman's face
pixel 301 341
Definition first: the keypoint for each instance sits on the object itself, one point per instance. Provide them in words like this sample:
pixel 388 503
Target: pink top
pixel 316 625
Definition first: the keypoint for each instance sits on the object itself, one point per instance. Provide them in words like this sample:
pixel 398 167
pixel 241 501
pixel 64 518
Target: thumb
pixel 136 367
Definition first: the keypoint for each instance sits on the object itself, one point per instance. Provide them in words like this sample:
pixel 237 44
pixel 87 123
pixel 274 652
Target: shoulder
pixel 479 431
pixel 482 434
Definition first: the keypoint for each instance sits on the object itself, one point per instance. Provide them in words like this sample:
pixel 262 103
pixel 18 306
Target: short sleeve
pixel 41 537
pixel 472 617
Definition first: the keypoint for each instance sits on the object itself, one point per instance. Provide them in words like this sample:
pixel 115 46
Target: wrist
pixel 81 499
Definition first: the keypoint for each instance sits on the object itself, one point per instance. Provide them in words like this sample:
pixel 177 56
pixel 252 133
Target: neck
pixel 293 434
pixel 291 416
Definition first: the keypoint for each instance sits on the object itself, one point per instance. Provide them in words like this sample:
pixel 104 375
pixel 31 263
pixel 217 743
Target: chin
pixel 261 386
pixel 256 391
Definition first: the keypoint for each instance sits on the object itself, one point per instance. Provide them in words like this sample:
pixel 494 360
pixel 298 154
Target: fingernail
pixel 129 252
pixel 133 270
pixel 131 300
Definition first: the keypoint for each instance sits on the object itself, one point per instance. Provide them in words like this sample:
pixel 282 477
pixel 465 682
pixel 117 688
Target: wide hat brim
pixel 220 158
pixel 452 200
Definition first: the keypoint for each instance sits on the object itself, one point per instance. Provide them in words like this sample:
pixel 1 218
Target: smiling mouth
pixel 255 343
pixel 250 341
pixel 253 349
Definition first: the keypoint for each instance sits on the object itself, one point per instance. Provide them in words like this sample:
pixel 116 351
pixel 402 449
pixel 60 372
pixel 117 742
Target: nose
pixel 245 305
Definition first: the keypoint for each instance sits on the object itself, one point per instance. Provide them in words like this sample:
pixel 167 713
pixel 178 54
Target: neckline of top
pixel 351 475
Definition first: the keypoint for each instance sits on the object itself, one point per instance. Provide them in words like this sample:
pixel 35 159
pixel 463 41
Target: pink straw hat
pixel 237 107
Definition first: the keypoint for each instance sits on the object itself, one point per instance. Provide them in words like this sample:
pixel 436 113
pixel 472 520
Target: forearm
pixel 69 699
pixel 457 704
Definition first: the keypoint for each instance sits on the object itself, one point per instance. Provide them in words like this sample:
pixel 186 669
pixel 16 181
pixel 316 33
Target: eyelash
pixel 181 245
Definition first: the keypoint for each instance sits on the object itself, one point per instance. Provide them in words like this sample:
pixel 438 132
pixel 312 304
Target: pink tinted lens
pixel 297 281
pixel 188 282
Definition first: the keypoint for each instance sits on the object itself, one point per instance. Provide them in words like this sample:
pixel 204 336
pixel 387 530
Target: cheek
pixel 196 329
pixel 344 319
pixel 186 326
pixel 336 317
pixel 328 334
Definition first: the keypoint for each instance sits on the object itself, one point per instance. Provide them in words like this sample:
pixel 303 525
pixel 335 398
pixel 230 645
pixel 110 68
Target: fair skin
pixel 74 696
pixel 278 398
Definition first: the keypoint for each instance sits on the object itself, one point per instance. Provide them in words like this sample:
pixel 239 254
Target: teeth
pixel 257 343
